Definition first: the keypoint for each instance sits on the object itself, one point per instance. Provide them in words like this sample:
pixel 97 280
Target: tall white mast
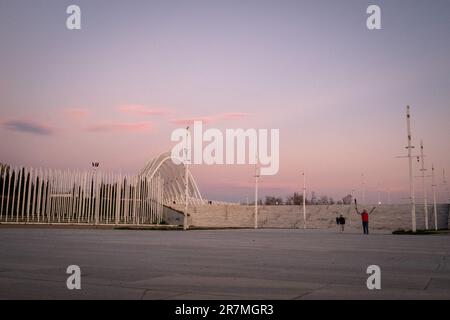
pixel 304 201
pixel 425 200
pixel 411 180
pixel 433 185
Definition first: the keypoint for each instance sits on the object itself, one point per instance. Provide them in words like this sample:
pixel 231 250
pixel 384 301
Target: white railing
pixel 53 196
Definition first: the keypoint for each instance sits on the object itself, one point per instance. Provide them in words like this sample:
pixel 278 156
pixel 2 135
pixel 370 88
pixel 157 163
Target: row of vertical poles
pixel 423 176
pixel 31 195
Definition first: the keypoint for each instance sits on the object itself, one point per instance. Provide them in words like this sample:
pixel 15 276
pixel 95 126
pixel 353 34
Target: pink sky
pixel 114 91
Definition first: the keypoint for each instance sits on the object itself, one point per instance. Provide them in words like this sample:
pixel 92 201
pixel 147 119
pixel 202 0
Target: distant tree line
pixel 297 199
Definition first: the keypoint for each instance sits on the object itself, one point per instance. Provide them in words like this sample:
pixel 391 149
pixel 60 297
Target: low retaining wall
pixel 385 217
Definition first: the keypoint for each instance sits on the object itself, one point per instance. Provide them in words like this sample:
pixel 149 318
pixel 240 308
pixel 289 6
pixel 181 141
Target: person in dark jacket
pixel 342 223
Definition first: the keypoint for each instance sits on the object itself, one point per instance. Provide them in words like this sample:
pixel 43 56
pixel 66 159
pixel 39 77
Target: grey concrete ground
pixel 221 264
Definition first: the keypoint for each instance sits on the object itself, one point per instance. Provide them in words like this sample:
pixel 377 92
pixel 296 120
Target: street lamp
pixel 95 166
pixel 304 200
pixel 257 175
pixel 186 182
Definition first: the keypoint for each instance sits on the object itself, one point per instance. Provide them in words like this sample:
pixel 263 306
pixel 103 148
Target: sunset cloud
pixel 27 126
pixel 210 119
pixel 120 127
pixel 76 113
pixel 188 121
pixel 233 115
pixel 137 109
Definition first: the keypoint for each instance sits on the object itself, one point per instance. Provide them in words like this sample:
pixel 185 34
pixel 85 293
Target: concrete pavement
pixel 221 264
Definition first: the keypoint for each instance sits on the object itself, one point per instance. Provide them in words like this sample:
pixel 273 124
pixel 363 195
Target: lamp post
pixel 96 205
pixel 256 191
pixel 186 182
pixel 304 200
pixel 379 193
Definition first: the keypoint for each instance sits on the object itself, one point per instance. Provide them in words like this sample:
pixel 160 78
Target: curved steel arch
pixel 173 176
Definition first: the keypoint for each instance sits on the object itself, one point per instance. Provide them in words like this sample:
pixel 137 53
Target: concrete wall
pixel 170 216
pixel 385 217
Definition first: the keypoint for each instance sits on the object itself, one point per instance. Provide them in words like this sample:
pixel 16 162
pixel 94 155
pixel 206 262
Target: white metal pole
pixel 444 183
pixel 97 189
pixel 24 190
pixel 304 201
pixel 135 184
pixel 29 194
pixel 363 189
pixel 256 192
pixel 425 200
pixel 411 180
pixel 433 185
pixel 21 170
pixel 36 176
pixel 186 182
pixel 9 204
pixel 5 169
pixel 82 204
pixel 118 197
pixel 378 194
pixel 47 187
pixel 40 194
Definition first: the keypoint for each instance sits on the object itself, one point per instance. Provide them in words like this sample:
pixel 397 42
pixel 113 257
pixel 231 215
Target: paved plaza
pixel 221 264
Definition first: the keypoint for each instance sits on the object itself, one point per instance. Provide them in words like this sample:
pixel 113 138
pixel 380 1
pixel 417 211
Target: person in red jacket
pixel 365 219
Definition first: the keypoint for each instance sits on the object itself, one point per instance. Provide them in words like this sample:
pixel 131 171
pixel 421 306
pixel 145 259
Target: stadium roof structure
pixel 172 171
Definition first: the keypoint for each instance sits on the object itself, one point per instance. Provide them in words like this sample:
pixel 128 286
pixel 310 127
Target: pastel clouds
pixel 211 119
pixel 29 126
pixel 76 113
pixel 116 126
pixel 100 126
pixel 141 110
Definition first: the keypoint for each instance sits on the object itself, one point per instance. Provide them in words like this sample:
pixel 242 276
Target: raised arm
pixel 356 208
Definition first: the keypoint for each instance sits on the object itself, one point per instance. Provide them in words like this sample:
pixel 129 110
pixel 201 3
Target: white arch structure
pixel 30 195
pixel 173 175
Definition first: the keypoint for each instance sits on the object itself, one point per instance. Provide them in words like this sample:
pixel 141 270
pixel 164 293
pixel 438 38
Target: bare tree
pixel 347 199
pixel 273 201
